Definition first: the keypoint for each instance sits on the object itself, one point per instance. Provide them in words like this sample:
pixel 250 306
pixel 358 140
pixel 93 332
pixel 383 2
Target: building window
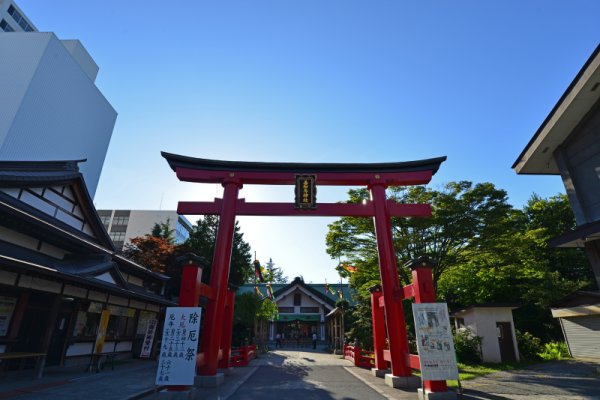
pixel 117 236
pixel 6 27
pixel 19 19
pixel 297 299
pixel 309 310
pixel 286 310
pixel 105 220
pixel 120 221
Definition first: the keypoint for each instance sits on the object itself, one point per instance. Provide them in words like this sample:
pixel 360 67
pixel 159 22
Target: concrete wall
pixel 481 321
pixel 486 319
pixel 50 108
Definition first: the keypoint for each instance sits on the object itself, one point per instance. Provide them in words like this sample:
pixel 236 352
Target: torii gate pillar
pixel 219 275
pixel 392 292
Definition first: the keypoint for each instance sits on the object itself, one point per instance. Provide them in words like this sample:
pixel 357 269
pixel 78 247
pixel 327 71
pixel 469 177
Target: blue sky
pixel 322 81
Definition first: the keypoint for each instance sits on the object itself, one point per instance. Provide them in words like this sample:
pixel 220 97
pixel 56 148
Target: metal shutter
pixel 583 335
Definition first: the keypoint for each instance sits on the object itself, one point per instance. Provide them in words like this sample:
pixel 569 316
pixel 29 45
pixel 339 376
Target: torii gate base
pixel 377 177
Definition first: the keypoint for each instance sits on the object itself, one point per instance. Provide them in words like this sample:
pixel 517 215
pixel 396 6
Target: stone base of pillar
pixel 426 395
pixel 187 394
pixel 380 373
pixel 209 380
pixel 399 382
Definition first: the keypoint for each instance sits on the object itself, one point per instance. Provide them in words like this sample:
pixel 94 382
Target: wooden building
pixel 568 144
pixel 304 309
pixel 59 269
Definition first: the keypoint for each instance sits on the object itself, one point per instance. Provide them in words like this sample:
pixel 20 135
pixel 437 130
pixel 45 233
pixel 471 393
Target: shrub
pixel 529 346
pixel 555 351
pixel 467 346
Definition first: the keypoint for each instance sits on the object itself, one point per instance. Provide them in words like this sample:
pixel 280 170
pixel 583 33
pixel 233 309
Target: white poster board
pixel 434 341
pixel 148 338
pixel 177 361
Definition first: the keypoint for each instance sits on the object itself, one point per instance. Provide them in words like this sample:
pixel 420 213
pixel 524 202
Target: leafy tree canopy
pixel 156 252
pixel 485 251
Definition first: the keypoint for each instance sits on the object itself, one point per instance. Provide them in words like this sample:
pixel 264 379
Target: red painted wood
pixel 387 356
pixel 323 178
pixel 394 312
pixel 414 361
pixel 218 280
pixel 381 302
pixel 378 321
pixel 207 291
pixel 191 281
pixel 288 209
pixel 227 329
pixel 408 291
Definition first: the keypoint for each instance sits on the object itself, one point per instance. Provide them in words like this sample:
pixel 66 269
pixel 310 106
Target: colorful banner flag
pixel 340 295
pixel 258 292
pixel 258 271
pixel 270 291
pixel 329 289
pixel 348 268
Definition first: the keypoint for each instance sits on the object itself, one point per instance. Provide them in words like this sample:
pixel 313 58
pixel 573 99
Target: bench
pixel 39 363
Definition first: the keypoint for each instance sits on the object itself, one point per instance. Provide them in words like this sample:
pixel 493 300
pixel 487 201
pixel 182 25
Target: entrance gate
pixel 376 177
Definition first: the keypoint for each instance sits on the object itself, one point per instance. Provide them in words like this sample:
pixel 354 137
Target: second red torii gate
pixel 232 175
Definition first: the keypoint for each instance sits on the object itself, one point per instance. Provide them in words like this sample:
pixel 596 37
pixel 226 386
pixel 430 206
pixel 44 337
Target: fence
pixel 241 356
pixel 359 357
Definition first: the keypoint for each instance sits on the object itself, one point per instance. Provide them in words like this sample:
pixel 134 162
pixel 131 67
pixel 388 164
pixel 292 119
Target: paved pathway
pixel 304 375
pixel 564 380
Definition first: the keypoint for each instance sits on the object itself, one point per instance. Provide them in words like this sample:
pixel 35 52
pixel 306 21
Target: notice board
pixel 434 341
pixel 177 361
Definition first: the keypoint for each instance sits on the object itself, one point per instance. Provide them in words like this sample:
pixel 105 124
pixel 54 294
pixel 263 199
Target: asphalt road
pixel 304 382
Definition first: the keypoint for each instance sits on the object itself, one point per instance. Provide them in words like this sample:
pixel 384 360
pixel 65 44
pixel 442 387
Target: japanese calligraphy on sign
pixel 177 361
pixel 306 191
pixel 434 341
pixel 148 338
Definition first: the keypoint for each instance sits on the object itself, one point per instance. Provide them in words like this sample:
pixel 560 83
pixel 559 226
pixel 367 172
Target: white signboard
pixel 177 362
pixel 148 338
pixel 434 341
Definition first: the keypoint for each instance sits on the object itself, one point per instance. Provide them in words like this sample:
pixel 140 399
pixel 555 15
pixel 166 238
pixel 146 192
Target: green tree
pixel 164 231
pixel 248 311
pixel 202 242
pixel 274 274
pixel 463 216
pixel 519 267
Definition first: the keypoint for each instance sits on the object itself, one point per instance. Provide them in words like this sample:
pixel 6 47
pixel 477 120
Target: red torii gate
pixel 232 175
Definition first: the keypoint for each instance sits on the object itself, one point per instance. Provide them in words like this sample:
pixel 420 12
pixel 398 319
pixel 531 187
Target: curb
pixel 144 393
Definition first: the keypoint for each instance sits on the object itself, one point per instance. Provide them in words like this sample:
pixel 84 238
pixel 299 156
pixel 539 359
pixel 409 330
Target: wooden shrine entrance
pixel 305 177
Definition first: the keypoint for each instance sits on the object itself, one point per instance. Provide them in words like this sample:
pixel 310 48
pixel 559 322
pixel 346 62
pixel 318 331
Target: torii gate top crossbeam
pixel 217 171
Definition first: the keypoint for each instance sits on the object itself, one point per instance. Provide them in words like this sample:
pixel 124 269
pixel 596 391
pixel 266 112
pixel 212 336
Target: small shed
pixel 494 324
pixel 579 316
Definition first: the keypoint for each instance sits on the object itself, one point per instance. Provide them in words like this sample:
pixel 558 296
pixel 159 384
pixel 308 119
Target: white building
pixel 123 225
pixel 494 324
pixel 50 107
